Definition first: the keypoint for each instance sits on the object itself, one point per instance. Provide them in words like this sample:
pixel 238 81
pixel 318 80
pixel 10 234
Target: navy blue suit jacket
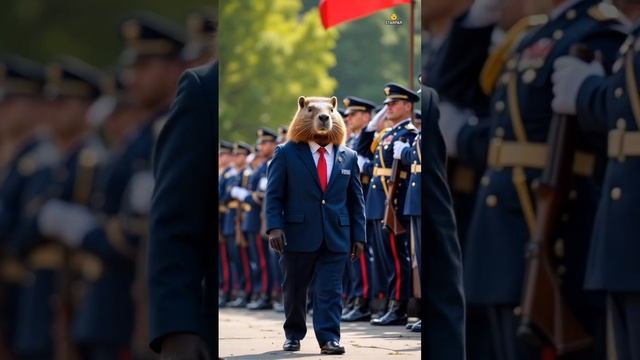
pixel 181 246
pixel 297 205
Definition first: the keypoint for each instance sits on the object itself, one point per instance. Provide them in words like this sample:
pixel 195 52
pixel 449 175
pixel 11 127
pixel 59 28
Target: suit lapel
pixel 304 153
pixel 337 162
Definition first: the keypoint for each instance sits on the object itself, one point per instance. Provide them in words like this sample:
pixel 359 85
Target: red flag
pixel 334 12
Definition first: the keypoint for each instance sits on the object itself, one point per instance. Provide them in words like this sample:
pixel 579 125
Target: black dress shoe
pixel 410 325
pixel 278 307
pixel 291 345
pixel 346 308
pixel 332 348
pixel 222 302
pixel 239 302
pixel 360 313
pixel 417 327
pixel 260 304
pixel 396 315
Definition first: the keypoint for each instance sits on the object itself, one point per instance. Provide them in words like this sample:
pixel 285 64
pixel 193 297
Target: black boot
pixel 396 314
pixel 262 303
pixel 359 312
pixel 240 301
pixel 381 310
pixel 347 307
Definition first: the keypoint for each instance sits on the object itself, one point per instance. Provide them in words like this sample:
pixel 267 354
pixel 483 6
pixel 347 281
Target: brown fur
pixel 303 125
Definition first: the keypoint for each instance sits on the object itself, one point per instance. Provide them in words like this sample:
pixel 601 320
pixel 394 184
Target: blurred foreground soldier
pixel 252 197
pixel 182 303
pixel 390 240
pixel 282 134
pixel 441 279
pixel 201 38
pixel 44 329
pixel 518 77
pixel 22 109
pixel 612 105
pixel 358 114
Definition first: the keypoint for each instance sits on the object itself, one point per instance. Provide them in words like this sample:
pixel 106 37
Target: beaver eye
pixel 310 109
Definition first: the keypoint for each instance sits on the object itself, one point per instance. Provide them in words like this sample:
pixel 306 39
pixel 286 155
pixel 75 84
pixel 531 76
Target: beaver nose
pixel 323 117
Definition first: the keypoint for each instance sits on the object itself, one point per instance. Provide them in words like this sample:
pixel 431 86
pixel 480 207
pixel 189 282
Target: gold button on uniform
pixel 485 180
pixel 618 92
pixel 571 14
pixel 322 201
pixel 492 201
pixel 413 184
pixel 499 132
pixel 616 193
pixel 558 34
pixel 558 248
pixel 528 76
pixel 373 186
pixel 499 105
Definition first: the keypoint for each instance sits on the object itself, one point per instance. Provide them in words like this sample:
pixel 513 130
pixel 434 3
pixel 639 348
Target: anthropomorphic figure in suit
pixel 315 218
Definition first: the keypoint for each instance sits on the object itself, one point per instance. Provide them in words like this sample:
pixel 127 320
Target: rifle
pixel 546 317
pixel 390 220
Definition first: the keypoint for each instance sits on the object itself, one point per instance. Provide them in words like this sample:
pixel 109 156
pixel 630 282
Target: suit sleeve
pixel 443 272
pixel 276 188
pixel 356 205
pixel 182 211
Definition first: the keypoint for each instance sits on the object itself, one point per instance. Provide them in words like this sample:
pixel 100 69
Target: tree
pixel 269 55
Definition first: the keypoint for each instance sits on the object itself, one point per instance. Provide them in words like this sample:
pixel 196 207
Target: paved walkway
pixel 248 334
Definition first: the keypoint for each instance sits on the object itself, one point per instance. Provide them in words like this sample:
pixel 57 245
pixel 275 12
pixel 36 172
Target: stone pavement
pixel 248 334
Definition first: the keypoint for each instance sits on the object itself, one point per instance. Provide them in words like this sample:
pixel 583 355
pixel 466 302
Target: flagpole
pixel 411 42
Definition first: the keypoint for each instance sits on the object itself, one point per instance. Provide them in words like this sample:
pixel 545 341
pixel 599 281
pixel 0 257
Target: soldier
pixel 201 46
pixel 276 269
pixel 22 107
pixel 232 228
pixel 71 85
pixel 225 168
pixel 358 112
pixel 504 216
pixel 392 249
pixel 253 196
pixel 611 104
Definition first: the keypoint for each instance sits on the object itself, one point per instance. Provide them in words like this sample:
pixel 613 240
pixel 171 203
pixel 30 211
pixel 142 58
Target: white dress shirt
pixel 328 156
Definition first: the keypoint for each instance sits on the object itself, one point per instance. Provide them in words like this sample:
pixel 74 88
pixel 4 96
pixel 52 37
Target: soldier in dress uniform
pixel 252 196
pixel 225 166
pixel 611 105
pixel 22 106
pixel 358 115
pixel 201 46
pixel 237 244
pixel 518 77
pixel 392 250
pixel 65 174
pixel 276 269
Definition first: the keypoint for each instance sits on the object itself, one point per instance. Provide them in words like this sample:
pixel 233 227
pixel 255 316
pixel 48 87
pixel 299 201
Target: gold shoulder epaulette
pixel 411 127
pixel 378 138
pixel 499 56
pixel 604 12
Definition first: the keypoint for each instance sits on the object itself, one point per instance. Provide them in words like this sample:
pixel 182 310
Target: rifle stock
pixel 390 220
pixel 546 318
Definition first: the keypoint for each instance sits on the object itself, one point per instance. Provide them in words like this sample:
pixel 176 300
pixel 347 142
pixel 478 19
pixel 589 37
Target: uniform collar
pixel 315 146
pixel 402 123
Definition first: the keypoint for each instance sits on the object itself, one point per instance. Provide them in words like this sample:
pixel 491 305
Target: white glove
pixel 397 149
pixel 67 222
pixel 262 184
pixel 452 119
pixel 568 75
pixel 140 192
pixel 379 117
pixel 239 193
pixel 361 161
pixel 483 13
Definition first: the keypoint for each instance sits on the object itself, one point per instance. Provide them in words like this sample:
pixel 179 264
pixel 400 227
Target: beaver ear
pixel 301 101
pixel 334 102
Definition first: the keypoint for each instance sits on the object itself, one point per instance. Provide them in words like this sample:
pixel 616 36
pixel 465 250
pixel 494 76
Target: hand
pixel 568 75
pixel 140 192
pixel 184 347
pixel 377 119
pixel 356 250
pixel 452 120
pixel 239 193
pixel 398 146
pixel 50 218
pixel 276 240
pixel 262 184
pixel 67 222
pixel 361 161
pixel 484 12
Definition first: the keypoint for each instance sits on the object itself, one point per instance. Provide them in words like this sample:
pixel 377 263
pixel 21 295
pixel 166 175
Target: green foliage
pixel 269 55
pixel 87 29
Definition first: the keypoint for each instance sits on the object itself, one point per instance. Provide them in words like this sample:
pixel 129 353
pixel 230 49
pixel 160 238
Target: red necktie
pixel 322 169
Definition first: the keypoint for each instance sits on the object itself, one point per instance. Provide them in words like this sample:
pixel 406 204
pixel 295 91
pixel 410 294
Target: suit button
pixel 492 201
pixel 616 193
pixel 618 92
pixel 322 201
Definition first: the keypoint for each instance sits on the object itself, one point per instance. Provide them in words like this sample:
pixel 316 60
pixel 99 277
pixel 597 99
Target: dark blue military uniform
pixel 612 105
pixel 391 250
pixel 504 214
pixel 224 264
pixel 443 308
pixel 183 301
pixel 359 271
